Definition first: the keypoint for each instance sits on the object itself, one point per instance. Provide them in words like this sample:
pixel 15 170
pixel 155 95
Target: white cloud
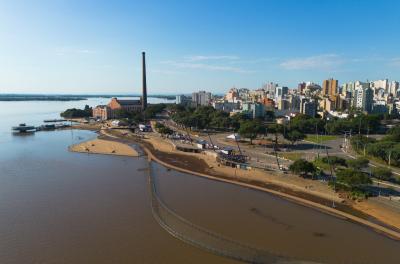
pixel 395 62
pixel 203 66
pixel 166 72
pixel 325 62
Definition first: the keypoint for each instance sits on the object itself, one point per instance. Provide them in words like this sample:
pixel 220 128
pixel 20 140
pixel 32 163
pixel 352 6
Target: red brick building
pixel 109 111
pixel 268 103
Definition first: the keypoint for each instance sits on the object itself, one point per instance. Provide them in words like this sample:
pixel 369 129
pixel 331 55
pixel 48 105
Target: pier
pixel 23 128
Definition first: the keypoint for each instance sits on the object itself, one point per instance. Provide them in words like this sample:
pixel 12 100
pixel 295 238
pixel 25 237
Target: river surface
pixel 63 207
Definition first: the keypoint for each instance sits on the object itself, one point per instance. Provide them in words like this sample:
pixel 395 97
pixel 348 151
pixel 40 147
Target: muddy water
pixel 62 207
pixel 271 223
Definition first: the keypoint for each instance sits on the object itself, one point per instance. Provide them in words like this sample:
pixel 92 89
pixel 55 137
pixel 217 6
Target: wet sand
pixel 101 146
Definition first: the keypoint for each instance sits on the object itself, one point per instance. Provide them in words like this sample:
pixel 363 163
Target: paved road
pixel 262 157
pixel 258 155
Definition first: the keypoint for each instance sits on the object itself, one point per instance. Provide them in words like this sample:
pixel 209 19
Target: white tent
pixel 234 137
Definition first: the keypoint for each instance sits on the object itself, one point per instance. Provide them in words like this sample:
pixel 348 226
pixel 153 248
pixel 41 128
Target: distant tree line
pixel 77 113
pixel 386 149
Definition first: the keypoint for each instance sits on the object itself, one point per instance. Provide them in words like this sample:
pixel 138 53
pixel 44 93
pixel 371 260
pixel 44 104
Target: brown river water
pixel 63 207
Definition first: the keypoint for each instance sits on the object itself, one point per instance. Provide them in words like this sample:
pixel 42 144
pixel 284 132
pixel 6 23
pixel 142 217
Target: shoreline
pixel 325 209
pixel 303 197
pixel 105 147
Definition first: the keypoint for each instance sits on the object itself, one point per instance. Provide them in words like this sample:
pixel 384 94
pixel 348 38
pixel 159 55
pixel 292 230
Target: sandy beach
pixel 101 146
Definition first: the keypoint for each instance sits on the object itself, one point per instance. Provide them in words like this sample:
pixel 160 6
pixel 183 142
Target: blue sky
pixel 79 46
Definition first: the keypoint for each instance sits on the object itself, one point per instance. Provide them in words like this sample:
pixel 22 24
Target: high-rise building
pixel 308 107
pixel 311 88
pixel 393 88
pixel 364 99
pixel 329 87
pixel 383 84
pixel 327 104
pixel 380 107
pixel 363 85
pixel 201 98
pixel 301 87
pixel 347 88
pixel 294 101
pixel 232 95
pixel 182 99
pixel 270 89
pixel 244 94
pixel 226 106
pixel 254 110
pixel 283 104
pixel 280 91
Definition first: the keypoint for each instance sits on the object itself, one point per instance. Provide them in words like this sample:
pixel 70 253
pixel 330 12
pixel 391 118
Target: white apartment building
pixel 201 98
pixel 393 88
pixel 270 89
pixel 384 84
pixel 363 85
pixel 363 99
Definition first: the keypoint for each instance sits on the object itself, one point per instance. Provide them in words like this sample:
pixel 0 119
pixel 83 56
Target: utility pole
pixel 331 171
pixel 364 148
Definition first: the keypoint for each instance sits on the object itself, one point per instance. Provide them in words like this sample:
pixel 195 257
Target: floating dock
pixel 23 128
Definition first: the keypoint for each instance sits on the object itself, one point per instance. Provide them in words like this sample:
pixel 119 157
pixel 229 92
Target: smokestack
pixel 144 87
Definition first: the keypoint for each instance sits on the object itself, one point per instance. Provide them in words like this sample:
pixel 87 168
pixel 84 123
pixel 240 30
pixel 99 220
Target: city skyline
pixel 95 47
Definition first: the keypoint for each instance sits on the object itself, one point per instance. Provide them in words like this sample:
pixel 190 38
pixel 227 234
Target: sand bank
pixel 101 146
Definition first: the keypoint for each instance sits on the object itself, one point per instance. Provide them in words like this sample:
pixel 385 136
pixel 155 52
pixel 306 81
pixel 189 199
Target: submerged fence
pixel 200 237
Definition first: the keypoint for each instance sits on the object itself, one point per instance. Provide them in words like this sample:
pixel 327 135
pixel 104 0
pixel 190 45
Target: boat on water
pixel 54 120
pixel 47 127
pixel 23 128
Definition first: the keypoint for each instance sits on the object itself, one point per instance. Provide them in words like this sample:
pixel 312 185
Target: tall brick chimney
pixel 144 87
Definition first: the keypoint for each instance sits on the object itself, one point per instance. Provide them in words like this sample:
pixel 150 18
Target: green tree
pixel 250 129
pixel 153 109
pixel 77 113
pixel 393 134
pixel 382 173
pixel 220 120
pixel 358 163
pixel 303 167
pixel 335 161
pixel 162 129
pixel 294 135
pixel 351 178
pixel 275 129
pixel 236 120
pixel 306 124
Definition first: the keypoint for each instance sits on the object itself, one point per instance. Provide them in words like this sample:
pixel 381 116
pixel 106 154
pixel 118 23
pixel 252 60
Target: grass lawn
pixel 291 155
pixel 321 165
pixel 320 138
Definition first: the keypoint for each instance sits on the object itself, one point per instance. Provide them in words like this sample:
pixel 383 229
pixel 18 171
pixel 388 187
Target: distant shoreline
pixel 65 97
